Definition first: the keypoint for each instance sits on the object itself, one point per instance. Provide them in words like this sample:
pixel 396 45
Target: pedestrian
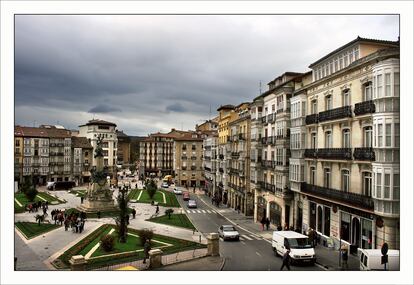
pixel 98 214
pixel 286 260
pixel 344 257
pixel 55 218
pixel 279 227
pixel 147 248
pixel 44 210
pixel 136 185
pixel 267 224
pixel 82 199
pixel 47 205
pixel 82 224
pixel 127 219
pixel 30 208
pixel 238 209
pixel 263 222
pixel 133 213
pixel 157 209
pixel 66 224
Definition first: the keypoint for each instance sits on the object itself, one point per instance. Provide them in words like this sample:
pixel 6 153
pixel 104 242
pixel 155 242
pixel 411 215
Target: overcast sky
pixel 154 73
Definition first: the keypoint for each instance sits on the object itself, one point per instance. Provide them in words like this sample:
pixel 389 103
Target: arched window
pixel 367 131
pixel 345 180
pixel 346 97
pixel 346 138
pixel 328 139
pixel 327 178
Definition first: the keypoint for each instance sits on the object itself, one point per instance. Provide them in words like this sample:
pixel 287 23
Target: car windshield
pixel 228 229
pixel 299 243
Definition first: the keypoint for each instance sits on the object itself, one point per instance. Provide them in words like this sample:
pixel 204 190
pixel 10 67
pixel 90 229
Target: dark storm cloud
pixel 165 71
pixel 101 108
pixel 176 107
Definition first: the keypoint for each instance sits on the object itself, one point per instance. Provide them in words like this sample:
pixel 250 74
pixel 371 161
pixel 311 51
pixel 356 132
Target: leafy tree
pixel 151 188
pixel 39 219
pixel 144 235
pixel 29 189
pixel 122 228
pixel 168 212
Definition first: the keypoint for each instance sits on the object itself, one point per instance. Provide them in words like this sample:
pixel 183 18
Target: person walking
pixel 133 212
pixel 263 222
pixel 98 214
pixel 157 209
pixel 344 257
pixel 286 260
pixel 267 224
pixel 147 248
pixel 82 199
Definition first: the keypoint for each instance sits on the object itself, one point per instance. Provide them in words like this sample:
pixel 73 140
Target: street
pixel 252 252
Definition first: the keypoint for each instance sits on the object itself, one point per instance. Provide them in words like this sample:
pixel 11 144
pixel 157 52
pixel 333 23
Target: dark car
pixel 186 196
pixel 61 185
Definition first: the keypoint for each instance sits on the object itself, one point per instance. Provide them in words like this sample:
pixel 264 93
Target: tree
pixel 107 243
pixel 168 212
pixel 144 235
pixel 29 189
pixel 122 228
pixel 151 188
pixel 132 168
pixel 39 219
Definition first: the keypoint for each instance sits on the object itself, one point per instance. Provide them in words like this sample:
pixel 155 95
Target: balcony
pixel 311 119
pixel 270 187
pixel 60 154
pixel 221 156
pixel 311 153
pixel 193 167
pixel 184 157
pixel 221 170
pixel 193 147
pixel 60 164
pixel 220 184
pixel 353 199
pixel 235 155
pixel 364 153
pixel 270 118
pixel 207 168
pixel 269 164
pixel 270 141
pixel 36 164
pixel 184 168
pixel 184 148
pixel 60 145
pixel 207 158
pixel 335 114
pixel 264 140
pixel 366 107
pixel 52 145
pixel 194 158
pixel 335 153
pixel 242 137
pixel 263 119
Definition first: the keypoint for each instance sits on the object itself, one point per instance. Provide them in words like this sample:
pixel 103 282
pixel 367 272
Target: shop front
pixel 261 208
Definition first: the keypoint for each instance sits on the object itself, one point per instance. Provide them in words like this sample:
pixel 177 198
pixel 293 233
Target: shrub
pixel 151 188
pixel 145 234
pixel 29 189
pixel 107 243
pixel 168 212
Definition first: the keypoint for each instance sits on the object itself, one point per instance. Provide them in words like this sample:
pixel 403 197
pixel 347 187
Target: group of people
pixel 36 206
pixel 75 221
pixel 265 222
pixel 215 201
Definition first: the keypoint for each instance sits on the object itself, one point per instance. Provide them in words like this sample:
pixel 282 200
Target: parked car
pixel 301 249
pixel 49 185
pixel 177 191
pixel 61 185
pixel 164 185
pixel 228 232
pixel 192 204
pixel 186 196
pixel 370 259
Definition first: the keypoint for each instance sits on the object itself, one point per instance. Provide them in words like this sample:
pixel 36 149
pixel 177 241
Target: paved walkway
pixel 208 263
pixel 326 257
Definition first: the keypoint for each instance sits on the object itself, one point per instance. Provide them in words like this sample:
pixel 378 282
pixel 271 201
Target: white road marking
pixel 243 242
pixel 163 196
pixel 18 203
pixel 38 196
pixel 256 237
pixel 203 211
pixel 247 237
pixel 139 196
pixel 93 249
pixel 198 211
pixel 258 254
pixel 241 238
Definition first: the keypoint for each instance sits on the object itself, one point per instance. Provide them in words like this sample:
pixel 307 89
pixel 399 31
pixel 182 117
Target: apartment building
pixel 82 152
pixel 226 115
pixel 124 148
pixel 274 198
pixel 188 159
pixel 209 162
pixel 240 195
pixel 18 158
pixel 351 145
pixel 96 128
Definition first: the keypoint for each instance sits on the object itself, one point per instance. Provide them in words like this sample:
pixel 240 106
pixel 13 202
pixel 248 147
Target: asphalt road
pixel 251 253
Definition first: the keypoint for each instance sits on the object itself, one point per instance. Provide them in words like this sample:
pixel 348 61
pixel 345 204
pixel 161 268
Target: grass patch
pixel 178 220
pixel 41 196
pixel 31 230
pixel 124 252
pixel 170 198
pixel 79 193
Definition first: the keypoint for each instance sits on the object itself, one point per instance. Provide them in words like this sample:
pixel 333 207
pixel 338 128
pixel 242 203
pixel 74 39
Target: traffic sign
pixel 384 248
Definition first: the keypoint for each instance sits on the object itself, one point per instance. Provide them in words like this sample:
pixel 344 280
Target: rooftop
pixel 98 122
pixel 81 142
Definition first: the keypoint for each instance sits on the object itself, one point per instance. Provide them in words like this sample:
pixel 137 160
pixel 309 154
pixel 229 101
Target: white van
pixel 370 259
pixel 301 249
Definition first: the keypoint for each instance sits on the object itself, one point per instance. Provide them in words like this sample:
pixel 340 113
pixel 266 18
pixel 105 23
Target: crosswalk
pixel 201 212
pixel 246 237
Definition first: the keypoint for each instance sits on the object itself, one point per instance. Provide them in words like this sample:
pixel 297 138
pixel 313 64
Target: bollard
pixel 213 244
pixel 77 263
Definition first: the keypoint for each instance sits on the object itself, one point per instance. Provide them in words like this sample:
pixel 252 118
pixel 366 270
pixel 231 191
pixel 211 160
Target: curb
pixel 222 264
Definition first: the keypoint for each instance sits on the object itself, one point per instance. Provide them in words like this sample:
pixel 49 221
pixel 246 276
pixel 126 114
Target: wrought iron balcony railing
pixel 364 153
pixel 263 119
pixel 335 114
pixel 366 107
pixel 311 119
pixel 270 118
pixel 353 199
pixel 311 153
pixel 335 153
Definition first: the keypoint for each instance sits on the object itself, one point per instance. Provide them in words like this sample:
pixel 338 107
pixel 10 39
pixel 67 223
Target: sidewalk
pixel 326 257
pixel 208 263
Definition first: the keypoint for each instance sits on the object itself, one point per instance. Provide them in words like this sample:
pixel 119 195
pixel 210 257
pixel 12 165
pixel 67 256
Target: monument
pixel 99 196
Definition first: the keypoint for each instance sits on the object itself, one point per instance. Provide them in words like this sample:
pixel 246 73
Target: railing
pixel 270 187
pixel 335 153
pixel 207 158
pixel 221 170
pixel 184 168
pixel 311 153
pixel 242 137
pixel 52 145
pixel 334 114
pixel 340 196
pixel 60 145
pixel 193 158
pixel 263 119
pixel 184 148
pixel 366 107
pixel 264 140
pixel 270 118
pixel 193 167
pixel 221 156
pixel 364 153
pixel 184 157
pixel 60 154
pixel 193 148
pixel 311 119
pixel 235 155
pixel 207 168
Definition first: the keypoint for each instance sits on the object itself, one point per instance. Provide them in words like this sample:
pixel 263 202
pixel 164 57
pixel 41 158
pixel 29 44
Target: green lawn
pixel 124 252
pixel 178 220
pixel 79 193
pixel 31 230
pixel 170 199
pixel 41 196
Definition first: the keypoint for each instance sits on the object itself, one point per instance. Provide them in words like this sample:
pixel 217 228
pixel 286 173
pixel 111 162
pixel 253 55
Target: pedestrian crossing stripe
pixel 200 212
pixel 203 211
pixel 246 237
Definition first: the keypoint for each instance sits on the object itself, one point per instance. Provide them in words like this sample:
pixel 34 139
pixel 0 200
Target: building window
pixel 378 184
pixel 328 139
pixel 345 180
pixel 387 84
pixel 396 84
pixel 387 185
pixel 346 97
pixel 387 134
pixel 314 107
pixel 327 178
pixel 397 135
pixel 312 171
pixel 346 138
pixel 345 226
pixel 17 142
pixel 367 136
pixel 380 135
pixel 379 86
pixel 313 141
pixel 367 183
pixel 328 102
pixel 396 186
